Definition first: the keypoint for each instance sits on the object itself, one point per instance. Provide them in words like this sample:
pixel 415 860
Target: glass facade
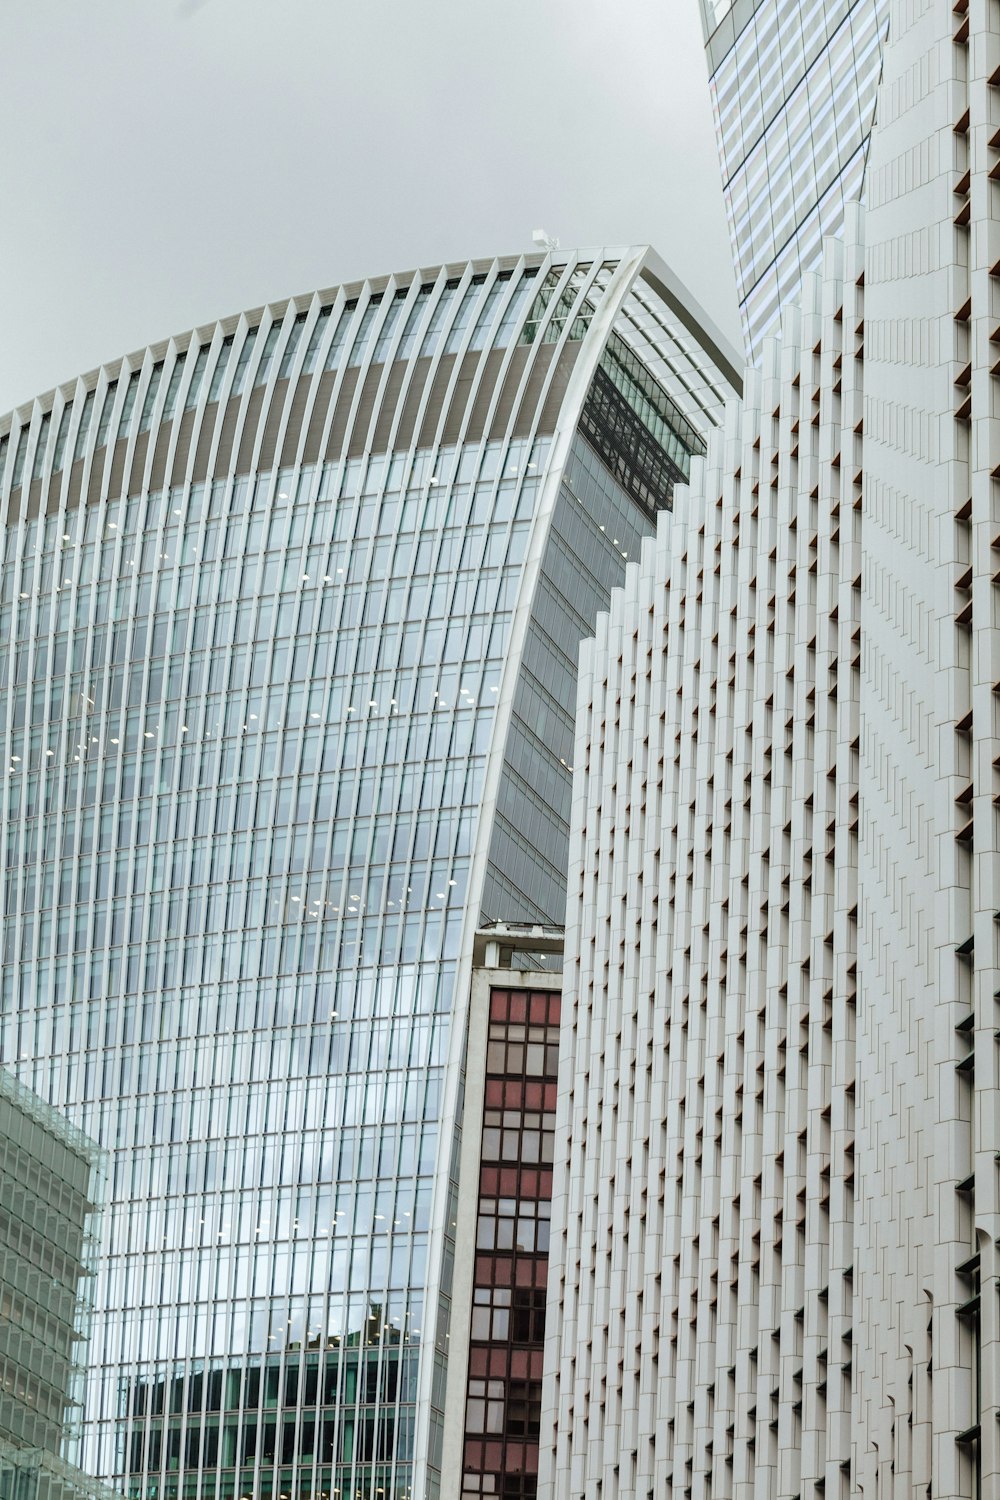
pixel 793 93
pixel 51 1184
pixel 284 633
pixel 34 1474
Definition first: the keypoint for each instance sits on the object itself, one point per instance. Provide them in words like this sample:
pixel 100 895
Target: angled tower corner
pixel 793 94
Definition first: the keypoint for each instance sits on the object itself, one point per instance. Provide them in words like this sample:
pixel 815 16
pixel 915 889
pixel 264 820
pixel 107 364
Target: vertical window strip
pixel 106 410
pixel 414 321
pixel 19 456
pixel 38 462
pixel 512 316
pixel 464 314
pixel 197 378
pixel 267 355
pixel 146 415
pixel 340 334
pixel 128 405
pixel 433 334
pixel 61 435
pixel 534 320
pixel 309 363
pixel 221 366
pixel 240 378
pixel 85 420
pixel 364 332
pixel 292 346
pixel 485 320
pixel 170 404
pixel 389 326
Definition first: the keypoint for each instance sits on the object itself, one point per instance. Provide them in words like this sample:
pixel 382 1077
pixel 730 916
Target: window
pixel 364 329
pixel 239 379
pixel 221 366
pixel 527 1315
pixel 172 389
pixel 438 316
pixel 19 456
pixel 388 327
pixel 484 1408
pixel 81 436
pixel 524 1408
pixel 485 320
pixel 464 314
pixel 288 358
pixel 106 410
pixel 264 368
pixel 340 334
pixel 40 446
pixel 198 376
pixel 128 405
pixel 61 436
pixel 512 316
pixel 309 363
pixel 413 322
pixel 146 415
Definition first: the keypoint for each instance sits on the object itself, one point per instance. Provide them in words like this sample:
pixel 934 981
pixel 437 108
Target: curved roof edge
pixel 666 284
pixel 675 294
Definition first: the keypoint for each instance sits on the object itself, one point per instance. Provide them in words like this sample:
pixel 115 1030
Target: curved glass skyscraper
pixel 290 609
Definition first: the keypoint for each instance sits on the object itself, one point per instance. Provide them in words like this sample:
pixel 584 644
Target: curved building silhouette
pixel 290 614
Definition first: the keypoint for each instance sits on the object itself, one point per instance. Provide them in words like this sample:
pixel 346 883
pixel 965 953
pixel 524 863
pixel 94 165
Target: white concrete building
pixel 700 1281
pixel 780 1061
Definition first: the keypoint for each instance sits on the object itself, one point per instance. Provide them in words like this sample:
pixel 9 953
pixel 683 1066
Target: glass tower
pixel 793 93
pixel 290 610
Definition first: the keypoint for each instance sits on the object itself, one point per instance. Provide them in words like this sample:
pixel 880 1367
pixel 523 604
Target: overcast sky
pixel 168 162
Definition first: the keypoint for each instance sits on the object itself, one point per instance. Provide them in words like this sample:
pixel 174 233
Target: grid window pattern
pixel 248 720
pixel 503 1407
pixel 50 1182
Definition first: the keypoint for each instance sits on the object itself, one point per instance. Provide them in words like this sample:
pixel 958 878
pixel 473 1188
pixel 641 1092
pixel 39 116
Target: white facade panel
pixel 779 1278
pixel 700 1290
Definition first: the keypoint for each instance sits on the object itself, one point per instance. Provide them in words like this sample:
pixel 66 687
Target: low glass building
pixel 293 605
pixel 51 1180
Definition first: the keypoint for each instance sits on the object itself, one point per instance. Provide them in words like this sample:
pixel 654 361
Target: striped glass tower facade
pixel 290 610
pixel 793 89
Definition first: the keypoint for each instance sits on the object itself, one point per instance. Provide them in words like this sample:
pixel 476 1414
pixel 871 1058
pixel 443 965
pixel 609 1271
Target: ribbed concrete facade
pixel 774 1259
pixel 927 1357
pixel 700 1285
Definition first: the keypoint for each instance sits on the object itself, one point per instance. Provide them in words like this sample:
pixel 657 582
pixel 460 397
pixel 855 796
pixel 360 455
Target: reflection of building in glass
pixel 296 601
pixel 281 1412
pixel 793 91
pixel 50 1182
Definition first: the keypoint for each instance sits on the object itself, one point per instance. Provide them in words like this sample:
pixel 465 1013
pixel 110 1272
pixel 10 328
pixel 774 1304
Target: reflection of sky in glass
pixel 247 729
pixel 269 708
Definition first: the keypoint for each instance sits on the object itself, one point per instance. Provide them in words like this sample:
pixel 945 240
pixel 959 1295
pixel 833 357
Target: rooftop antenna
pixel 544 240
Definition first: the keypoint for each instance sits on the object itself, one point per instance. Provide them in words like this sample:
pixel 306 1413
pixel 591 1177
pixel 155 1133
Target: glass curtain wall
pixel 249 704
